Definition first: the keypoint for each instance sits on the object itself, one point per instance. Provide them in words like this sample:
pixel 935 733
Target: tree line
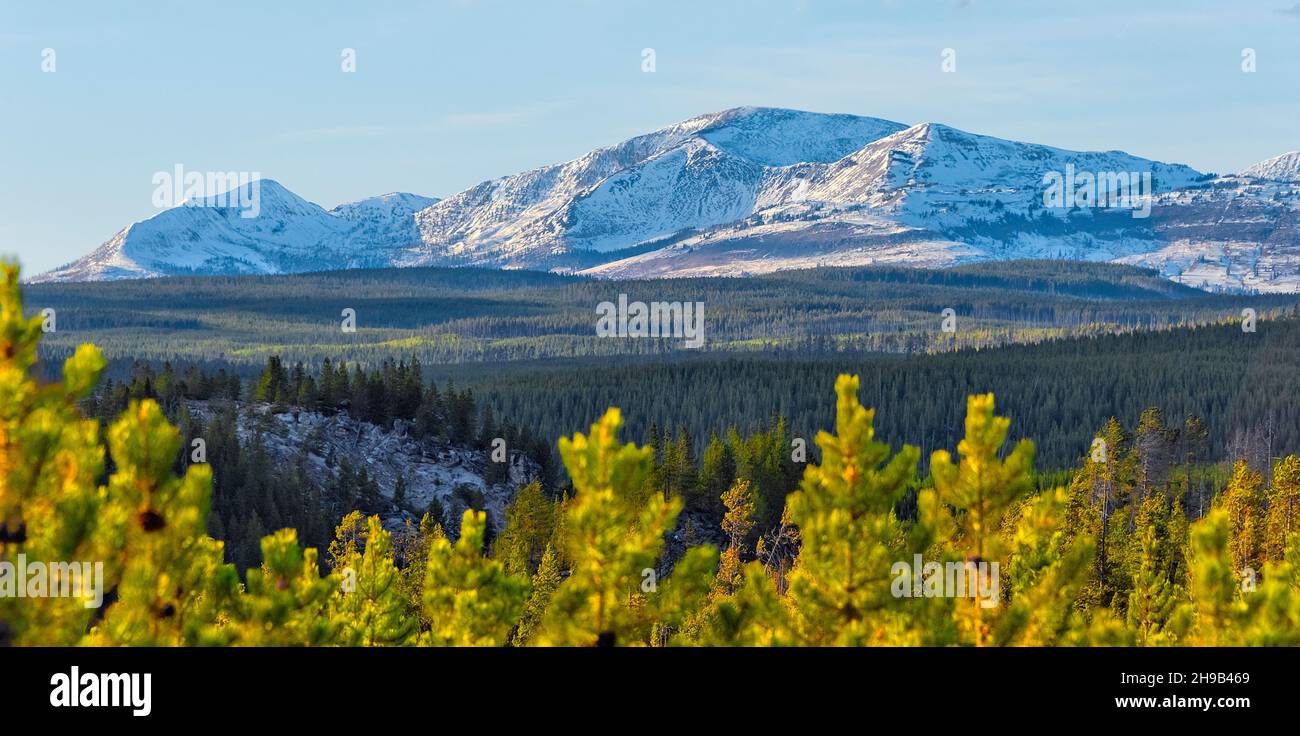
pixel 1241 386
pixel 447 316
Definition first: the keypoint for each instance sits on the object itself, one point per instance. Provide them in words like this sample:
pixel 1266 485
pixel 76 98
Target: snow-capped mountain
pixel 701 173
pixel 752 190
pixel 288 234
pixel 1238 233
pixel 1279 168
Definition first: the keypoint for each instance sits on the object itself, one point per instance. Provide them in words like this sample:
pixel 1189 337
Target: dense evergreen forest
pixel 444 316
pixel 251 493
pixel 514 355
pixel 1091 342
pixel 1114 556
pixel 1178 527
pixel 1212 393
pixel 1243 386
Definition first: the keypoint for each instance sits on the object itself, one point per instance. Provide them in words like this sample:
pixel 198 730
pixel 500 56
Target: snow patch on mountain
pixel 702 172
pixel 777 137
pixel 1279 168
pixel 750 190
pixel 935 176
pixel 287 234
pixel 783 245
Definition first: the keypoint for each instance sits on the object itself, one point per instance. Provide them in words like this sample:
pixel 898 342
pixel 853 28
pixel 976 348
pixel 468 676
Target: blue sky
pixel 447 94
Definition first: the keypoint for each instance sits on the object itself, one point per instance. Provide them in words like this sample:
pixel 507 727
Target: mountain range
pixel 753 190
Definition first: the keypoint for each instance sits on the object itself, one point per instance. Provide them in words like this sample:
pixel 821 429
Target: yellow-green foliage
pixel 287 601
pixel 1215 605
pixel 372 607
pixel 591 570
pixel 840 585
pixel 545 581
pixel 469 599
pixel 530 521
pixel 1283 519
pixel 1245 509
pixel 737 522
pixel 146 527
pixel 611 596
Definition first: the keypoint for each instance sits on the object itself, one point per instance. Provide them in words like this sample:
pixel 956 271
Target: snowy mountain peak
pixel 780 137
pixel 254 197
pixel 956 155
pixel 1279 168
pixel 701 172
pixel 757 189
pixel 257 227
pixel 393 203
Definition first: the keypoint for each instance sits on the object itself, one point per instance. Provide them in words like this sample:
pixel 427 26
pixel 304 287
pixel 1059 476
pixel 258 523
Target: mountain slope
pixel 288 234
pixel 932 195
pixel 1279 168
pixel 754 190
pixel 928 195
pixel 696 174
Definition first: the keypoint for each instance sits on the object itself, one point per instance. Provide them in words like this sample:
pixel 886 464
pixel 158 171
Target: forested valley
pixel 1210 396
pixel 1144 487
pixel 455 316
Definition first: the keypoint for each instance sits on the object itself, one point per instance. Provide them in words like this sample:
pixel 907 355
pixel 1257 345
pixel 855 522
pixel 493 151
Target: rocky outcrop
pixel 447 477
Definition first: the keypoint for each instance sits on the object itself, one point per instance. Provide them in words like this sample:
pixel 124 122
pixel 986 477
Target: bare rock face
pixel 446 478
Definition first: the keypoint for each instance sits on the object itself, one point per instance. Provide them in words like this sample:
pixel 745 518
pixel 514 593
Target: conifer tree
pixel 981 489
pixel 286 603
pixel 50 462
pixel 1244 506
pixel 1073 573
pixel 717 470
pixel 170 571
pixel 1273 617
pixel 610 541
pixel 1229 610
pixel 545 581
pixel 736 524
pixel 369 604
pixel 839 587
pixel 413 546
pixel 349 539
pixel 722 618
pixel 1110 468
pixel 1154 446
pixel 1047 570
pixel 530 522
pixel 1215 611
pixel 1153 597
pixel 470 600
pixel 669 603
pixel 752 614
pixel 1283 517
